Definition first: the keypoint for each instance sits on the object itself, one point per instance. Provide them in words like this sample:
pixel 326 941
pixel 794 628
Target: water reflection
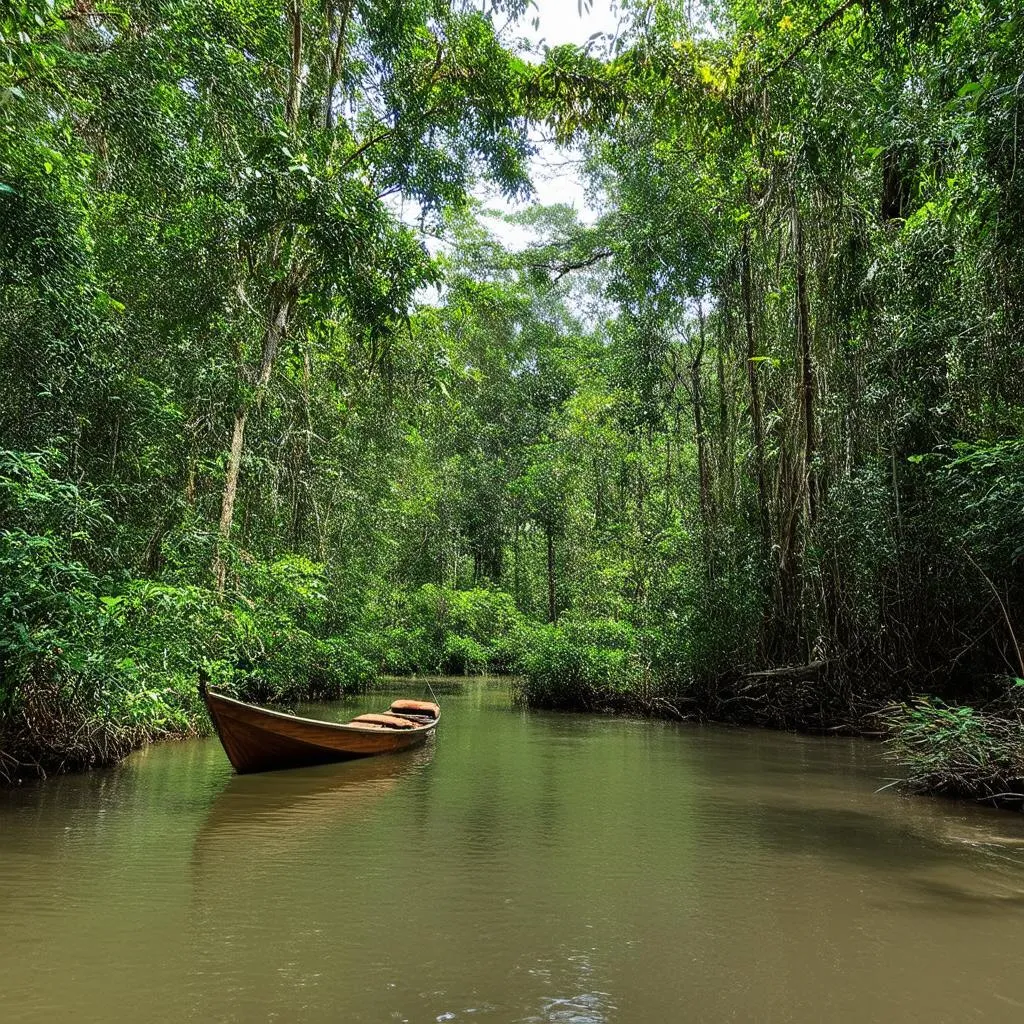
pixel 521 868
pixel 273 808
pixel 260 828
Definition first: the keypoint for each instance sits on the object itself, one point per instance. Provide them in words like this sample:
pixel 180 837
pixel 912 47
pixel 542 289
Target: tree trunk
pixel 282 297
pixel 334 62
pixel 803 336
pixel 703 471
pixel 271 340
pixel 551 572
pixel 755 390
pixel 294 98
pixel 726 445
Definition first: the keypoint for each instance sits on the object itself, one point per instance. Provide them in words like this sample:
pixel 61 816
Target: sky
pixel 554 171
pixel 555 174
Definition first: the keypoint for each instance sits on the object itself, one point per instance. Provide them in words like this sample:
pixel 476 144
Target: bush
pixel 292 664
pixel 462 654
pixel 586 664
pixel 400 651
pixel 91 665
pixel 437 629
pixel 102 673
pixel 956 750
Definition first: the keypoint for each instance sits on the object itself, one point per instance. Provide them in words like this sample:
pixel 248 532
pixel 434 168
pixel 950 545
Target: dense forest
pixel 274 402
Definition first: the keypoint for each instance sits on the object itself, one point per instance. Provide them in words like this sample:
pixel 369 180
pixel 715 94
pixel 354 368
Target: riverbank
pixel 57 728
pixel 119 670
pixel 934 748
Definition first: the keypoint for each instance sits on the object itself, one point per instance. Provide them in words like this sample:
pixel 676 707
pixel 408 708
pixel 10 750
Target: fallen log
pixel 809 671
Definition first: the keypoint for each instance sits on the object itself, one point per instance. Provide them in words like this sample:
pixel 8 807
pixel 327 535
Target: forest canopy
pixel 275 402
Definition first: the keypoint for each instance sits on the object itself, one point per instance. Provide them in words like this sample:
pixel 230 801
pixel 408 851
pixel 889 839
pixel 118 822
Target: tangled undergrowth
pixel 958 750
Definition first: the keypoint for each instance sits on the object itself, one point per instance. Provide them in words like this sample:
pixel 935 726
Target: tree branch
pixel 561 268
pixel 821 27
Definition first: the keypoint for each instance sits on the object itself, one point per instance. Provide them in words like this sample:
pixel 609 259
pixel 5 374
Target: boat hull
pixel 259 740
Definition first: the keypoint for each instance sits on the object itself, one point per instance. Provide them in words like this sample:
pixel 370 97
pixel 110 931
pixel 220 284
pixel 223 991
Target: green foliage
pixel 463 655
pixel 436 629
pixel 983 487
pixel 42 584
pixel 92 665
pixel 592 664
pixel 957 750
pixel 765 411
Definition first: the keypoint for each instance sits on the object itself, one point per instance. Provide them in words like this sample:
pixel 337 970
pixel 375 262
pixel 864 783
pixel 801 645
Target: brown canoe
pixel 259 740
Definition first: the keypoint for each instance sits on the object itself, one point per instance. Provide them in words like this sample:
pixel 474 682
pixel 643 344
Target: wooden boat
pixel 260 740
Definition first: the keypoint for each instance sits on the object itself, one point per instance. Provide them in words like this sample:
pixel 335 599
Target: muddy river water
pixel 521 867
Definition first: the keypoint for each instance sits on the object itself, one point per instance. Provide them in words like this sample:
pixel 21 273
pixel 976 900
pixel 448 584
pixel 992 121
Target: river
pixel 521 867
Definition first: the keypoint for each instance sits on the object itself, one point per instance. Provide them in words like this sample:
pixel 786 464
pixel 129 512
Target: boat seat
pixel 388 721
pixel 415 707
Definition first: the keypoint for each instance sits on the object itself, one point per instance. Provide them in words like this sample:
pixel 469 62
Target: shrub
pixel 956 750
pixel 462 654
pixel 437 629
pixel 583 664
pixel 400 651
pixel 293 664
pixel 92 665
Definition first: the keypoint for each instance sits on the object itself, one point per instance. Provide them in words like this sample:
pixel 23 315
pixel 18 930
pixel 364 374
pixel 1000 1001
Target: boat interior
pixel 403 714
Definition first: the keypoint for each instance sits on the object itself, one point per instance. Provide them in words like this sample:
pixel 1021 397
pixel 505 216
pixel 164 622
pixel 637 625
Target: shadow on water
pixel 958 899
pixel 914 846
pixel 420 687
pixel 868 839
pixel 271 814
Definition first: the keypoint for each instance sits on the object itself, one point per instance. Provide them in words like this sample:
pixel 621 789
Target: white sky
pixel 555 174
pixel 554 171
